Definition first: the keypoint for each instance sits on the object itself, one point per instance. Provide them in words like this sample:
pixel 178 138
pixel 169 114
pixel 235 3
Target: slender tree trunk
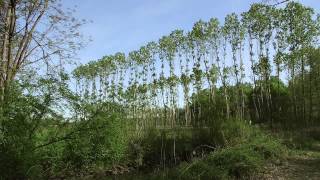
pixel 241 84
pixel 303 92
pixel 254 96
pixel 310 97
pixel 224 83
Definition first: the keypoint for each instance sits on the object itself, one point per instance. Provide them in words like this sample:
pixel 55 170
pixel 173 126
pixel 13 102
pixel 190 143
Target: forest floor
pixel 301 164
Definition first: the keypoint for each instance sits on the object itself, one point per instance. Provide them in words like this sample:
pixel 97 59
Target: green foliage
pixel 36 142
pixel 167 147
pixel 235 131
pixel 48 131
pixel 100 142
pixel 280 103
pixel 21 121
pixel 241 161
pixel 226 164
pixel 156 147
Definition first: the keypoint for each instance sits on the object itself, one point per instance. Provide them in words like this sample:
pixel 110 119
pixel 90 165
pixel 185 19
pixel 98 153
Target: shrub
pixel 226 163
pixel 236 162
pixel 267 146
pixel 104 144
pixel 233 132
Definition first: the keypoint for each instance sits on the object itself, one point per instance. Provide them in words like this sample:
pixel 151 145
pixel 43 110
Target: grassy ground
pixel 302 163
pixel 303 166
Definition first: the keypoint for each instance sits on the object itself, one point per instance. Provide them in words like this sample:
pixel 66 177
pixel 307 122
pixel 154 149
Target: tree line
pixel 262 63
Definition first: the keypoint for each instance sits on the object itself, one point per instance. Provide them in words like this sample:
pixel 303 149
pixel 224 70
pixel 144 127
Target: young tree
pixel 233 31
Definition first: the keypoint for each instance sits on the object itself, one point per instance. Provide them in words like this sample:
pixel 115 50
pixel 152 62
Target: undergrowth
pixel 237 161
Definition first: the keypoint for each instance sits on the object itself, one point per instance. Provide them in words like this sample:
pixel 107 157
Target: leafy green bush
pixel 267 146
pixel 231 162
pixel 235 162
pixel 16 159
pixel 19 121
pixel 103 144
pixel 230 132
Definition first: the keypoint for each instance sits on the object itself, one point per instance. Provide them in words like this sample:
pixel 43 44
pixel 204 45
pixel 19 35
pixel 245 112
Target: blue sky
pixel 125 25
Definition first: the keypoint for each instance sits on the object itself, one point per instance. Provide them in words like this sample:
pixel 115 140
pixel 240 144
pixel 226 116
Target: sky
pixel 126 25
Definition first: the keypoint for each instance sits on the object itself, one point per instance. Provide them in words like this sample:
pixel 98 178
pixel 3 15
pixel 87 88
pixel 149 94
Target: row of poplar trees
pixel 262 65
